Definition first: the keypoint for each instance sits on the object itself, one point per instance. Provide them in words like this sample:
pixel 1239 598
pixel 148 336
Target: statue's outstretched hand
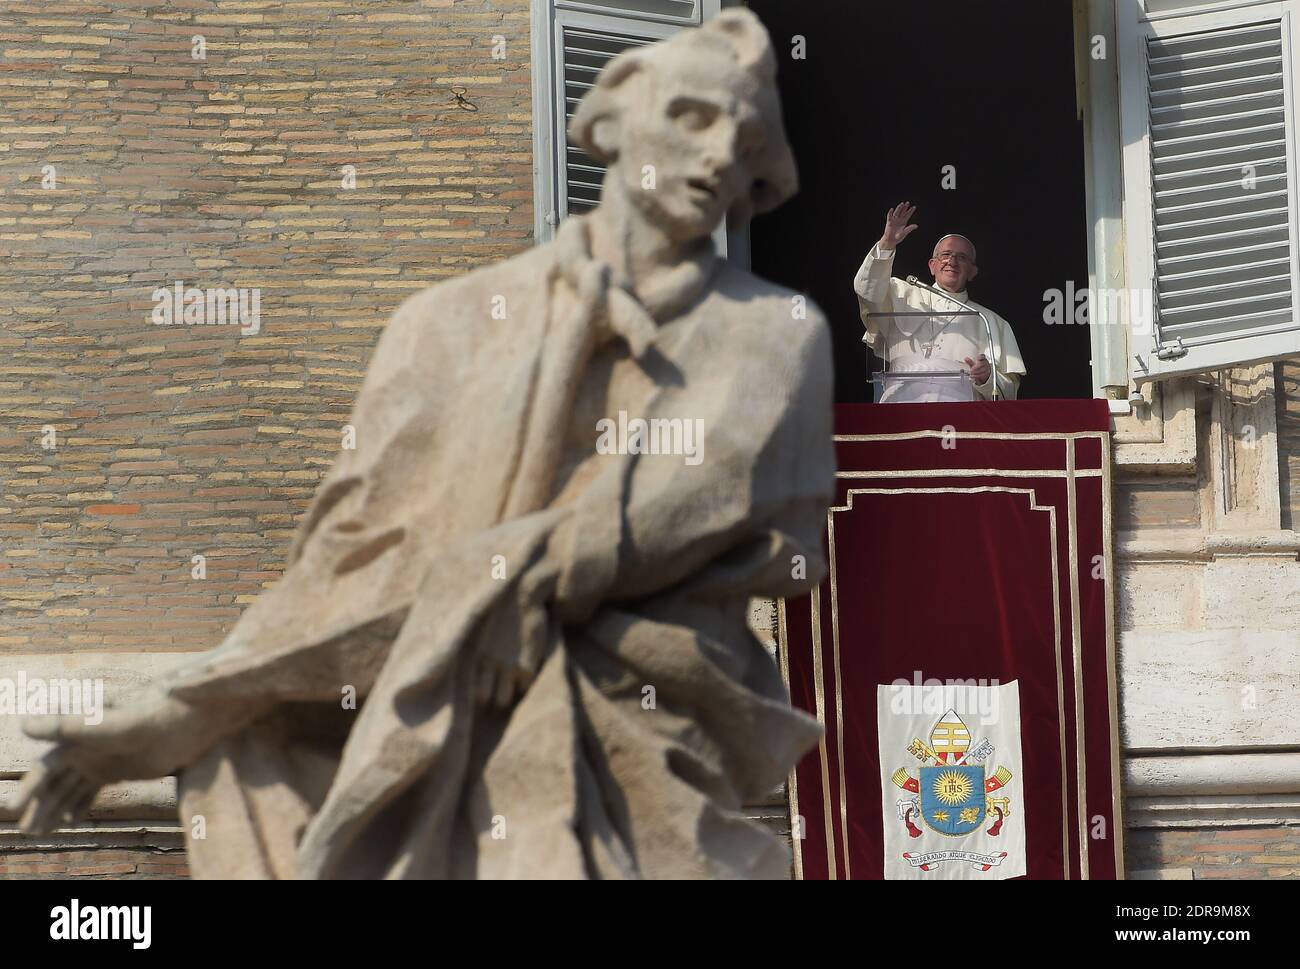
pixel 55 790
pixel 152 737
pixel 898 225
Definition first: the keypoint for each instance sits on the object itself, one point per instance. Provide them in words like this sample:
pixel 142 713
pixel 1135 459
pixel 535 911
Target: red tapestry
pixel 961 652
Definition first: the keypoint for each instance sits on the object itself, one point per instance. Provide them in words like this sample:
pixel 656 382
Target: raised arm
pixel 874 283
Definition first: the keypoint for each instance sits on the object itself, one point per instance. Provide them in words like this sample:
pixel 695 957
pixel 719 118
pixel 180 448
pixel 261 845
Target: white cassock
pixel 942 337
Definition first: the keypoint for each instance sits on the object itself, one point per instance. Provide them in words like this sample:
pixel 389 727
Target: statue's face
pixel 700 137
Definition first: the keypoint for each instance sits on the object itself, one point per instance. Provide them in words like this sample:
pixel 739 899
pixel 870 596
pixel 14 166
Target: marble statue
pixel 572 471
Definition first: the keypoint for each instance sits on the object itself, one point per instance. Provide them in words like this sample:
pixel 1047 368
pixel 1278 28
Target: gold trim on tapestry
pixel 968 473
pixel 792 784
pixel 839 700
pixel 1112 689
pixel 815 601
pixel 975 436
pixel 1076 636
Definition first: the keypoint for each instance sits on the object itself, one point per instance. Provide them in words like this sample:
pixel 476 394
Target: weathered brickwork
pixel 105 863
pixel 172 441
pixel 1216 853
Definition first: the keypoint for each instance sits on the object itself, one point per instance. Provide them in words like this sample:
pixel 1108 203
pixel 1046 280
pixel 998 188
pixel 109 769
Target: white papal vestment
pixel 946 336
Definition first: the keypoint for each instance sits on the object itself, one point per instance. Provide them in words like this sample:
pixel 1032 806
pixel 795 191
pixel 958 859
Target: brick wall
pixel 172 441
pixel 106 863
pixel 1256 852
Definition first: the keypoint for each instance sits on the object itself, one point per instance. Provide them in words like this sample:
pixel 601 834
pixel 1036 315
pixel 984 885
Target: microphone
pixel 988 327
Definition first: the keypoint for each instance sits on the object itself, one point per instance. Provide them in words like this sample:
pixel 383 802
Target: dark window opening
pixel 887 96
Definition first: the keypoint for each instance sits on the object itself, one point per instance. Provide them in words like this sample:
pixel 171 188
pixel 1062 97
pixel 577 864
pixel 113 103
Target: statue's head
pixel 702 109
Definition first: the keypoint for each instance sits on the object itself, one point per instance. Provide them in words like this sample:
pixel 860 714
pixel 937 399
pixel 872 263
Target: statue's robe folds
pixel 474 514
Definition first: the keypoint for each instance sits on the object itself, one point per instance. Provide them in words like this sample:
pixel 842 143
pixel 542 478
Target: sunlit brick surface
pixel 179 440
pixel 1262 852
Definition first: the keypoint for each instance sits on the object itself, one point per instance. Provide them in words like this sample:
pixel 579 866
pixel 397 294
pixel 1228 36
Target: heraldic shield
pixel 953 798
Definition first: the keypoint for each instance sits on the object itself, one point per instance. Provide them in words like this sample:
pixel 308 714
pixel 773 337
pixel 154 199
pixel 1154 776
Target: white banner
pixel 950 780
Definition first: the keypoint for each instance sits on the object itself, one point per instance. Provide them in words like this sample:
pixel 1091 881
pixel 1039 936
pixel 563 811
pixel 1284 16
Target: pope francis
pixel 911 342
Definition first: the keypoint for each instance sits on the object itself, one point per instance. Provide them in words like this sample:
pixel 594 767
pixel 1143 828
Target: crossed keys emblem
pixel 952 792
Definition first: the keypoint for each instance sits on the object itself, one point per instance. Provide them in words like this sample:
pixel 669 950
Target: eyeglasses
pixel 957 257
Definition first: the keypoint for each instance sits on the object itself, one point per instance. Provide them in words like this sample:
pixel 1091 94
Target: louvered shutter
pixel 583 54
pixel 586 35
pixel 1220 180
pixel 671 11
pixel 573 41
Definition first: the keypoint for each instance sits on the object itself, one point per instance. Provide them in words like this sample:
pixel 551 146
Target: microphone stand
pixel 988 327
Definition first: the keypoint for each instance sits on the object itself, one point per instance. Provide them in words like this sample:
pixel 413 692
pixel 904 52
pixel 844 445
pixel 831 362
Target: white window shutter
pixel 573 40
pixel 1220 193
pixel 583 48
pixel 671 11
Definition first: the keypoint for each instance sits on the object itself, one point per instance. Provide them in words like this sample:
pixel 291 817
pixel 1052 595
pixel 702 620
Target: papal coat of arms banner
pixel 960 654
pixel 954 799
